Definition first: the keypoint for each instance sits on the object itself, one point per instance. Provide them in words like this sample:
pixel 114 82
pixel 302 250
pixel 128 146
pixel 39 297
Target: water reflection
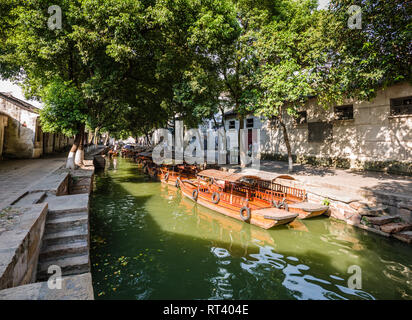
pixel 177 249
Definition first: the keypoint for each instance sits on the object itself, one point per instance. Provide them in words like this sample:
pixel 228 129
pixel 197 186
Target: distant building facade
pixel 372 135
pixel 21 135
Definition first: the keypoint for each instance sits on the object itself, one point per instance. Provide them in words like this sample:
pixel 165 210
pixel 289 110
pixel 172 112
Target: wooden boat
pixel 152 170
pixel 144 157
pixel 113 153
pixel 169 174
pixel 227 193
pixel 290 198
pixel 225 232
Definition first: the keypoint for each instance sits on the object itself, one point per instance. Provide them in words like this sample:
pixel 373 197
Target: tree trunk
pixel 287 143
pixel 222 110
pixel 96 135
pixel 70 159
pixel 241 126
pixel 147 138
pixel 106 140
pixel 90 138
pixel 80 151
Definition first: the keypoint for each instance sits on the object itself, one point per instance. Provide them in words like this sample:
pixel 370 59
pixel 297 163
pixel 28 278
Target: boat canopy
pixel 284 176
pixel 145 154
pixel 220 175
pixel 238 177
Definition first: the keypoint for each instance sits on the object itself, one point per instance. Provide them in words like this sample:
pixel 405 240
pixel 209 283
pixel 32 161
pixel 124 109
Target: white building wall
pixel 373 134
pixel 19 135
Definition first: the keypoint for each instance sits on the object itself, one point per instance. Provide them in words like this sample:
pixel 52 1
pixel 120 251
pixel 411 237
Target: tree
pixel 79 55
pixel 288 48
pixel 361 61
pixel 304 52
pixel 64 111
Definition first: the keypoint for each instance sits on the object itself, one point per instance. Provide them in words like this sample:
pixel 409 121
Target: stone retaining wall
pixel 20 246
pixel 354 213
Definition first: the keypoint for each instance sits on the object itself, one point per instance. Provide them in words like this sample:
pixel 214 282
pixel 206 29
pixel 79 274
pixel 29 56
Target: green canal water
pixel 148 242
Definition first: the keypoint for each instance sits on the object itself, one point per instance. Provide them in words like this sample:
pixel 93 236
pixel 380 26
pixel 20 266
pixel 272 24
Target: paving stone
pixel 396 227
pixel 18 176
pixel 69 203
pixel 55 183
pixel 78 287
pixel 30 198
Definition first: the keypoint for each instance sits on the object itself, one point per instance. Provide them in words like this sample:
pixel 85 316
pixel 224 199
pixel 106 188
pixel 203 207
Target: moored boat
pixel 230 194
pixel 144 157
pixel 170 174
pixel 290 198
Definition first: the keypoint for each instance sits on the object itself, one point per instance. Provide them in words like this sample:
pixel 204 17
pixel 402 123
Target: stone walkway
pixel 16 176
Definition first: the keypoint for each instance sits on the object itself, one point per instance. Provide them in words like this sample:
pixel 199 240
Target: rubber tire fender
pixel 215 197
pixel 195 194
pixel 247 217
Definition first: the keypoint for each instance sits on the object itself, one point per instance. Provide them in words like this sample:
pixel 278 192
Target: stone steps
pixel 56 183
pixel 65 243
pixel 69 265
pixel 66 239
pixel 395 227
pixel 66 236
pixel 79 247
pixel 80 185
pixel 389 226
pixel 405 236
pixel 68 204
pixel 77 287
pixel 375 211
pixel 381 220
pixel 64 222
pixel 78 190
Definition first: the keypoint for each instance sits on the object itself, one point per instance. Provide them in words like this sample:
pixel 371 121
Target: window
pixel 232 124
pixel 249 123
pixel 302 117
pixel 401 106
pixel 319 131
pixel 344 112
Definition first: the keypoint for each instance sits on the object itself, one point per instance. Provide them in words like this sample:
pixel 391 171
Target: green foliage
pixel 326 202
pixel 284 44
pixel 364 60
pixel 64 110
pixel 132 66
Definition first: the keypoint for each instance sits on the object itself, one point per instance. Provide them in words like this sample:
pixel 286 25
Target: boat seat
pixel 308 206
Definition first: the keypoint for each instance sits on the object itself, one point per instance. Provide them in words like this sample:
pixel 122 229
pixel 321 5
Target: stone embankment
pixel 381 204
pixel 51 229
pixel 371 213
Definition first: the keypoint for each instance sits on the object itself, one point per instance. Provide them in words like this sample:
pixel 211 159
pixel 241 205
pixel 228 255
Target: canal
pixel 148 242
